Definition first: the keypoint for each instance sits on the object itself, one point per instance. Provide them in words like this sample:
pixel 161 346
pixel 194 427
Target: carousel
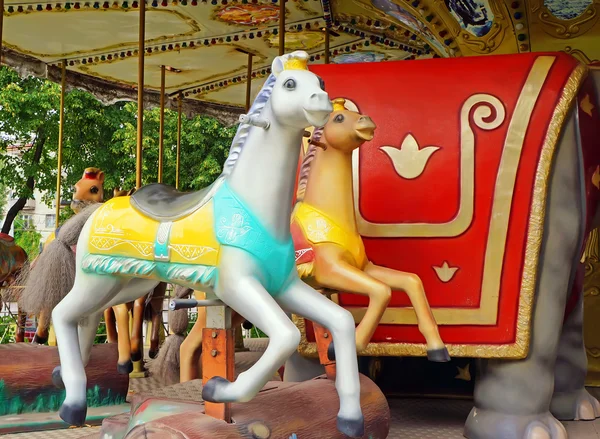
pixel 408 211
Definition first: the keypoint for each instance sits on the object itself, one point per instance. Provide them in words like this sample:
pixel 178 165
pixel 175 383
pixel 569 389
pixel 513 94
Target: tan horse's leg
pixel 137 331
pixel 191 348
pixel 156 306
pixel 124 364
pixel 333 271
pixel 42 330
pixel 411 284
pixel 111 326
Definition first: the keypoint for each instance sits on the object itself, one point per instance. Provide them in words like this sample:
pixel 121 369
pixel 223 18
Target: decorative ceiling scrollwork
pixel 565 26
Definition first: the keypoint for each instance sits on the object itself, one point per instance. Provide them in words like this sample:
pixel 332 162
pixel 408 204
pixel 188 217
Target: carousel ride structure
pixel 241 224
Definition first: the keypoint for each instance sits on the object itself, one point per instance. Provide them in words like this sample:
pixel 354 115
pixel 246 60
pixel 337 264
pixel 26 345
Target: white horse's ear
pixel 278 64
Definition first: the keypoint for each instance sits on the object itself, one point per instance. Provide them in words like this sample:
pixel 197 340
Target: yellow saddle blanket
pixel 319 228
pixel 120 230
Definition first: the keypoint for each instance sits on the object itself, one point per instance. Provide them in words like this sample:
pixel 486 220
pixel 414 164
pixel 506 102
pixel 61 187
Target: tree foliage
pixel 27 238
pixel 100 136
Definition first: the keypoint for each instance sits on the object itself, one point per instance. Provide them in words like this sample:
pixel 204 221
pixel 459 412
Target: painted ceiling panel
pixel 89 31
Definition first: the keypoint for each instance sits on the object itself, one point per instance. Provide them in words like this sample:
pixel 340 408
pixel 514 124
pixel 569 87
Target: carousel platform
pixel 411 418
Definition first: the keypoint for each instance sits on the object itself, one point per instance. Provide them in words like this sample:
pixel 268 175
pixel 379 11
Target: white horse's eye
pixel 290 84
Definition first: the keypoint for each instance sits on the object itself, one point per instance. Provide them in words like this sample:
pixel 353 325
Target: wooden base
pixel 26 383
pixel 307 409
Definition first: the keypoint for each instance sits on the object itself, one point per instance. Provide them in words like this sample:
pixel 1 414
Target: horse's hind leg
pixel 137 332
pixel 90 295
pixel 41 332
pixel 411 284
pixel 124 364
pixel 571 401
pixel 111 325
pixel 88 327
pixel 299 298
pixel 191 348
pixel 156 305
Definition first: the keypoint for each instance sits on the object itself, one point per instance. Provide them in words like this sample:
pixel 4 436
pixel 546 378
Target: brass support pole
pixel 1 27
pixel 281 27
pixel 161 140
pixel 178 163
pixel 61 130
pixel 249 82
pixel 326 46
pixel 140 121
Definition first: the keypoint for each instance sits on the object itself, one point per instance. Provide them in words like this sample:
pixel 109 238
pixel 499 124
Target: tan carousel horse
pixel 329 250
pixel 50 278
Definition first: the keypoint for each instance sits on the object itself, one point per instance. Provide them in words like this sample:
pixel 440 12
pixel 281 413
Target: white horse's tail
pixel 166 365
pixel 52 274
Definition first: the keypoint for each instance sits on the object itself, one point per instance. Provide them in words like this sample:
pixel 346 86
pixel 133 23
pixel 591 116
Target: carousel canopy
pixel 204 44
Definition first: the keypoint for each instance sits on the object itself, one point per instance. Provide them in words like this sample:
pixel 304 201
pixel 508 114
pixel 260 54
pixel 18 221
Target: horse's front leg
pixel 301 299
pixel 411 284
pixel 332 271
pixel 239 287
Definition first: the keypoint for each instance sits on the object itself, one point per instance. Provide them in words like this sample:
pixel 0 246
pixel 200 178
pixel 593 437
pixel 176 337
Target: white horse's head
pixel 298 98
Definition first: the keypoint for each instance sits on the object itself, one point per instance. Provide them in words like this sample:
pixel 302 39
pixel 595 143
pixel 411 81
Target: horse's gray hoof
pixel 351 427
pixel 57 378
pixel 208 391
pixel 438 355
pixel 331 352
pixel 125 369
pixel 39 340
pixel 73 415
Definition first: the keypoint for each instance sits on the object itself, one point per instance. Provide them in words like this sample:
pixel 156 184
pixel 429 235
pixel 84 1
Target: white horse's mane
pixel 242 132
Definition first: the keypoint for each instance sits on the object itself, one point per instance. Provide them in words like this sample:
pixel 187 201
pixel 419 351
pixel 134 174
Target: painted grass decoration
pixel 14 405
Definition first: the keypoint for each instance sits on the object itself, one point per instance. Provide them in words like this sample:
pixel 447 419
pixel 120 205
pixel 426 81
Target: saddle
pixel 6 238
pixel 164 203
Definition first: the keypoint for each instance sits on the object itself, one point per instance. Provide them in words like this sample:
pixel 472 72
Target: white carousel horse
pixel 231 239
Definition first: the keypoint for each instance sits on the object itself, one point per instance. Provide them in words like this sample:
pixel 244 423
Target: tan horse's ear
pixel 101 177
pixel 116 191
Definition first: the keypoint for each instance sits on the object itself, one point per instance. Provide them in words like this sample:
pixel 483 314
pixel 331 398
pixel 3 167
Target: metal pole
pixel 326 46
pixel 1 27
pixel 140 121
pixel 281 27
pixel 61 130
pixel 249 82
pixel 161 141
pixel 177 166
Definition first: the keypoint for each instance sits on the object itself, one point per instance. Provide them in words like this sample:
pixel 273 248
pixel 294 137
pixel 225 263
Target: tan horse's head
pixel 346 129
pixel 88 190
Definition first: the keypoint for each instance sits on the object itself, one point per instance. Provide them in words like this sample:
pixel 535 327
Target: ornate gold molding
pixel 579 54
pixel 565 29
